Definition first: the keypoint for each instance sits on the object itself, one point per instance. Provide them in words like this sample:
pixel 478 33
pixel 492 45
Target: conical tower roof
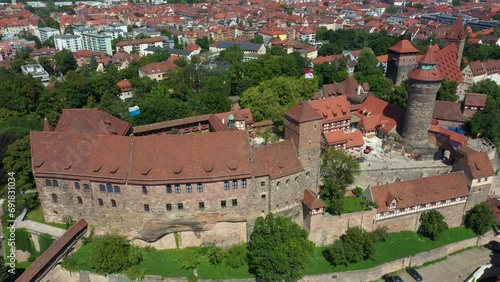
pixel 404 46
pixel 457 30
pixel 427 68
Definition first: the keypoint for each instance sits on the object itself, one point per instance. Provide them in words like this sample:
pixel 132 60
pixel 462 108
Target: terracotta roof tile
pixel 451 111
pixel 91 121
pixel 404 46
pixel 276 160
pixel 475 100
pixel 303 112
pixel 477 68
pixel 158 67
pixel 436 128
pixel 352 139
pixel 420 191
pixel 447 63
pixel 349 88
pixel 332 109
pixel 375 113
pixel 311 200
pixel 457 30
pixel 479 164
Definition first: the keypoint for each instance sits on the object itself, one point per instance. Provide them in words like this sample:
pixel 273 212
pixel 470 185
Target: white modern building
pixel 36 71
pixel 97 42
pixel 44 33
pixel 68 42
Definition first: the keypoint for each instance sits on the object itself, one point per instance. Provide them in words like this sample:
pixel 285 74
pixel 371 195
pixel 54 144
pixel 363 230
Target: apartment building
pixel 68 42
pixel 36 71
pixel 97 42
pixel 44 33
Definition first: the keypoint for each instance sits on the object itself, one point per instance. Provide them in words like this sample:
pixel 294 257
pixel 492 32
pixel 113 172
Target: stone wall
pixel 59 274
pixel 326 228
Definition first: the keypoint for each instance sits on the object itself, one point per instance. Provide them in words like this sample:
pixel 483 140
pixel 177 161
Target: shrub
pixel 432 224
pixel 216 255
pixel 480 218
pixel 380 234
pixel 357 191
pixel 134 273
pixel 70 264
pixel 189 259
pixel 109 254
pixel 237 256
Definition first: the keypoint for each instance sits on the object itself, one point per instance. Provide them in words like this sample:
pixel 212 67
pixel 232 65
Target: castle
pixel 176 190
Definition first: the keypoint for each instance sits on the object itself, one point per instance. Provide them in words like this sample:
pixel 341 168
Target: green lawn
pixel 398 245
pixel 37 215
pixel 165 263
pixel 6 234
pixel 352 204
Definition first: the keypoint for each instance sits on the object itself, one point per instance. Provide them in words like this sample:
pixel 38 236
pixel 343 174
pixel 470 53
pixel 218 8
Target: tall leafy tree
pixel 339 170
pixel 65 61
pixel 367 65
pixel 432 224
pixel 447 91
pixel 480 218
pixel 278 249
pixel 112 253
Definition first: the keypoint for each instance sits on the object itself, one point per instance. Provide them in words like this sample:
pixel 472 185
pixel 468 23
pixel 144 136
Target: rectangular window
pixel 180 206
pixel 188 188
pixel 200 187
pixel 169 189
pixel 235 184
pixel 77 185
pixel 262 183
pixel 146 207
pixel 223 204
pixel 48 182
pixel 263 196
pixel 168 207
pixel 86 187
pixel 226 185
pixel 201 206
pixel 243 183
pixel 177 188
pixel 234 202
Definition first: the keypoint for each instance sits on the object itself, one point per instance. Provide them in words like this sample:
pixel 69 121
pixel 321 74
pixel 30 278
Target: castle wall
pixel 419 111
pixel 399 66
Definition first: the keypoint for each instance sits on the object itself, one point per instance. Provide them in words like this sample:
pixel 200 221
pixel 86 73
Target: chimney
pixel 223 121
pixel 359 89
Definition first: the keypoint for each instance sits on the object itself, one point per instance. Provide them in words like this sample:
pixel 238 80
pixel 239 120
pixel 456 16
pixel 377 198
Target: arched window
pixel 77 185
pixel 113 203
pixel 48 182
pixel 102 188
pixel 144 190
pixel 101 203
pixel 54 198
pixel 109 187
pixel 55 183
pixel 117 189
pixel 79 199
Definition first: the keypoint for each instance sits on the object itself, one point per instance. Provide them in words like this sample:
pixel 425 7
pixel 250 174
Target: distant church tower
pixel 423 85
pixel 303 125
pixel 456 35
pixel 401 59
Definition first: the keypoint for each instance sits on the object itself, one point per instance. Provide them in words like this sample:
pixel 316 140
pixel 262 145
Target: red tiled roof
pixel 420 191
pixel 447 63
pixel 332 109
pixel 91 121
pixel 382 58
pixel 436 128
pixel 451 111
pixel 477 68
pixel 158 67
pixel 276 160
pixel 348 87
pixel 457 30
pixel 475 100
pixel 303 112
pixel 311 200
pixel 352 139
pixel 326 59
pixel 239 115
pixel 124 84
pixel 479 164
pixel 47 126
pixel 423 74
pixel 404 46
pixel 379 114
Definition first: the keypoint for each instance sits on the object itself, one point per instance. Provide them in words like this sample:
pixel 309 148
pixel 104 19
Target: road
pixel 456 268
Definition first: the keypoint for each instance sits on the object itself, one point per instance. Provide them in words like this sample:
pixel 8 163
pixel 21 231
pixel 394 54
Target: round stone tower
pixel 423 85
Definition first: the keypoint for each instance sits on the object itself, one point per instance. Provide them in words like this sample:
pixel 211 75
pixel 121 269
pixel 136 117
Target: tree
pixel 189 259
pixel 278 249
pixel 432 224
pixel 93 63
pixel 65 61
pixel 214 97
pixel 203 42
pixel 339 170
pixel 392 9
pixel 68 29
pixel 480 218
pixel 4 270
pixel 447 91
pixel 18 160
pixel 486 123
pixel 354 246
pixel 232 55
pixel 112 253
pixel 367 65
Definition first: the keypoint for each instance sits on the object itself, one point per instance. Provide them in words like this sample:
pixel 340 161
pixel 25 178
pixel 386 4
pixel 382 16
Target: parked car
pixel 493 245
pixel 414 273
pixel 360 159
pixel 367 150
pixel 395 278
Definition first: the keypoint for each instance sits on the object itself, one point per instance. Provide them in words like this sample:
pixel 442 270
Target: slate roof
pixel 420 191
